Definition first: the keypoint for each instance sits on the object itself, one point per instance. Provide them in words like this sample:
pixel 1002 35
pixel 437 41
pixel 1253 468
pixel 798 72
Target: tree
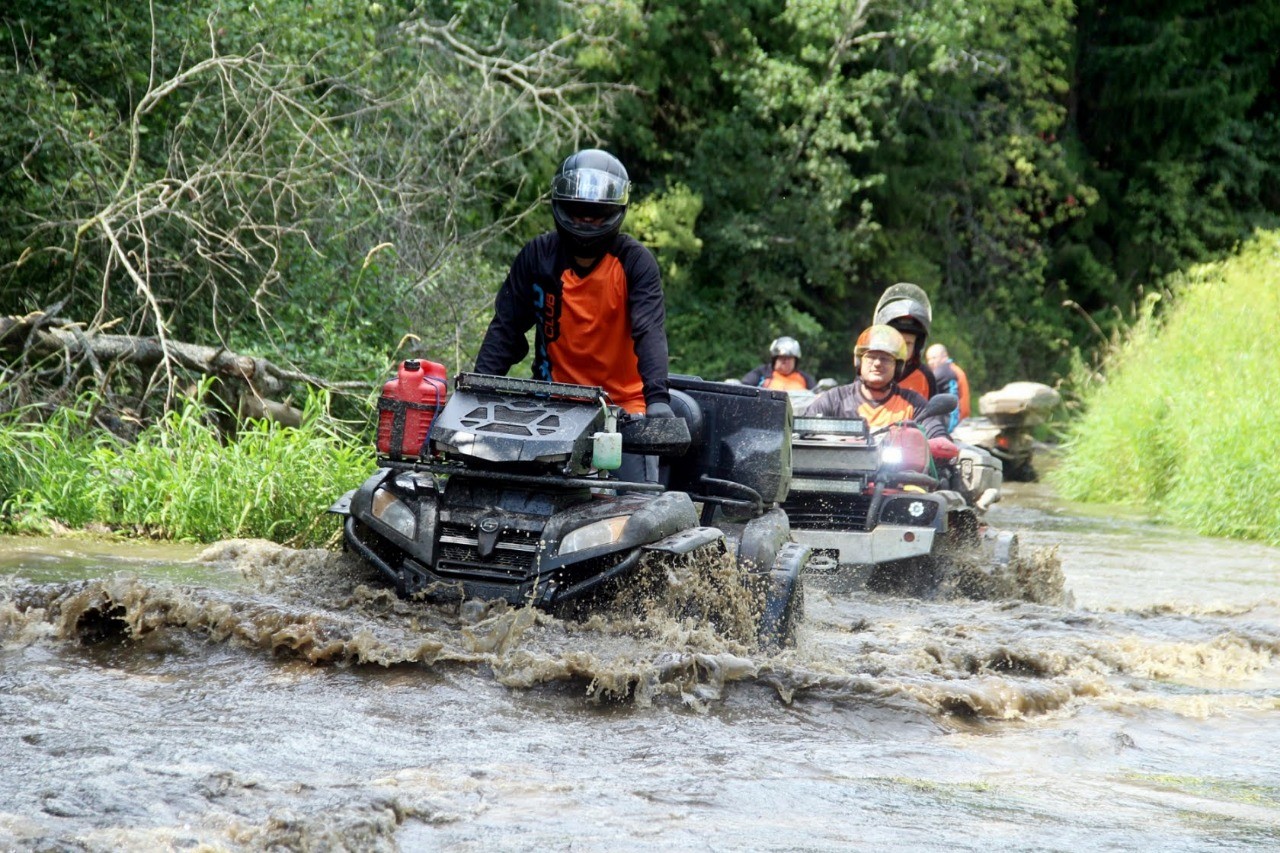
pixel 356 182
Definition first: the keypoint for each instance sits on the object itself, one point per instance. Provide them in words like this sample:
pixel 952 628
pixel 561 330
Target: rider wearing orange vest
pixel 879 357
pixel 782 373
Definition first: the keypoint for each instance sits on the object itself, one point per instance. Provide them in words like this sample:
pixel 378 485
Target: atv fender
pixel 342 506
pixel 687 541
pixel 762 539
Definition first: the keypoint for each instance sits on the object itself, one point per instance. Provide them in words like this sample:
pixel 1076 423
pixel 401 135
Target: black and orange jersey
pixel 919 380
pixel 848 401
pixel 604 326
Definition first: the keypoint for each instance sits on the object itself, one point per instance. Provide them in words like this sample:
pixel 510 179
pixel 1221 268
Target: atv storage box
pixel 740 444
pixel 1019 404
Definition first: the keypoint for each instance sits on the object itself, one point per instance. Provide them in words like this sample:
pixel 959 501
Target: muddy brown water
pixel 251 697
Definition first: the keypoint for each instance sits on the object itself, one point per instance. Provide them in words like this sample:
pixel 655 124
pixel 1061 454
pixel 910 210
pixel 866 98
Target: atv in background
pixel 882 505
pixel 1004 429
pixel 800 399
pixel 509 497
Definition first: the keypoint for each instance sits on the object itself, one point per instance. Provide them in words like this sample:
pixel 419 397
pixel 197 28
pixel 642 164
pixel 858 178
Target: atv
pixel 510 497
pixel 1004 428
pixel 882 505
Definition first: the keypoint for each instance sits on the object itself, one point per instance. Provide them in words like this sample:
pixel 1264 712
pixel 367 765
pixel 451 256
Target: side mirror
pixel 938 405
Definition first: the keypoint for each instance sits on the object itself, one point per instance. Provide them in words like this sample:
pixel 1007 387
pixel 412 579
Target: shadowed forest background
pixel 310 183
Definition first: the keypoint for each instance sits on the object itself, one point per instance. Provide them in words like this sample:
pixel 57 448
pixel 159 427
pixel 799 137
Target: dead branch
pixel 40 335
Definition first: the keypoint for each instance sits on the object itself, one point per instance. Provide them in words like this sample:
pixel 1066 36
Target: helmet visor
pixel 906 292
pixel 592 185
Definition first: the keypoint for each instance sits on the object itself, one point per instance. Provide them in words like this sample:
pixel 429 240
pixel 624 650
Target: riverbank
pixel 1183 424
pixel 181 478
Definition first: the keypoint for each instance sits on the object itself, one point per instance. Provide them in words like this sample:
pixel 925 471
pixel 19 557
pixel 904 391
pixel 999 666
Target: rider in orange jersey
pixel 879 357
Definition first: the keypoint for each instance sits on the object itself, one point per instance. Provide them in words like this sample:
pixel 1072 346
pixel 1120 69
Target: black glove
pixel 659 410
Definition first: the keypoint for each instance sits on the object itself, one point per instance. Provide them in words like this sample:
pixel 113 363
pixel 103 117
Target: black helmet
pixel 589 184
pixel 906 307
pixel 784 346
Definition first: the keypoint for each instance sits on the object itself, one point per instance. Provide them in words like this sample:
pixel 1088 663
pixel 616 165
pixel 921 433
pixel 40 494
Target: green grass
pixel 1187 419
pixel 180 479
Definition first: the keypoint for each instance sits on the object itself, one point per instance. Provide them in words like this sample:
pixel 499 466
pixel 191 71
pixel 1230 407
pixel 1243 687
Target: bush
pixel 1184 421
pixel 181 479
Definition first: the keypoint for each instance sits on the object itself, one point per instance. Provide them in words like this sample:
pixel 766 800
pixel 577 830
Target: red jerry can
pixel 409 403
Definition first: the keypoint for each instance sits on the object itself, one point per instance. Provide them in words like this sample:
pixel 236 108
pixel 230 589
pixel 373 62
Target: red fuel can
pixel 409 403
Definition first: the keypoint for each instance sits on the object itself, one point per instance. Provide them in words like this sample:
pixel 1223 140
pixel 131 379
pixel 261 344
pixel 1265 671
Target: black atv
pixel 510 497
pixel 877 503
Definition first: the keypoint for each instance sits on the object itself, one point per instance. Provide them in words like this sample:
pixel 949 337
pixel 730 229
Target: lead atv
pixel 878 504
pixel 510 497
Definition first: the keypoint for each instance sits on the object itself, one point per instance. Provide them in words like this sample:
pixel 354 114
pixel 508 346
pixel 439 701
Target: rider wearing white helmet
pixel 783 370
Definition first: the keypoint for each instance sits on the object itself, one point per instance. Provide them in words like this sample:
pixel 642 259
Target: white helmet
pixel 784 346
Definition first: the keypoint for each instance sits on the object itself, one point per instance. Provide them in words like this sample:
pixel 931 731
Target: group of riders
pixel 594 297
pixel 894 373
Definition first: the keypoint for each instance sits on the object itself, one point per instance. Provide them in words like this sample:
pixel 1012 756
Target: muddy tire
pixel 915 578
pixel 782 605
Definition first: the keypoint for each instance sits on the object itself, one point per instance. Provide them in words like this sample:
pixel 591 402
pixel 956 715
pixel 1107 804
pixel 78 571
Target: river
pixel 251 697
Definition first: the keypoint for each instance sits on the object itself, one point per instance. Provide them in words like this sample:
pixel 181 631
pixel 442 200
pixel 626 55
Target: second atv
pixel 879 503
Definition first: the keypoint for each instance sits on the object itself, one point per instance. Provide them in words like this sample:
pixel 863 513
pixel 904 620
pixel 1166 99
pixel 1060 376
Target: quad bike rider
pixel 508 494
pixel 877 486
pixel 906 307
pixel 783 371
pixel 592 295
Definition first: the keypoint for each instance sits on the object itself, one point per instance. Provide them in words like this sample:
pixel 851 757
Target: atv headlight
pixel 394 513
pixel 596 533
pixel 891 455
pixel 908 510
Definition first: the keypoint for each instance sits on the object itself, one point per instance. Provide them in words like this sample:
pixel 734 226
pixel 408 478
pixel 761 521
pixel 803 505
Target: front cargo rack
pixel 531 387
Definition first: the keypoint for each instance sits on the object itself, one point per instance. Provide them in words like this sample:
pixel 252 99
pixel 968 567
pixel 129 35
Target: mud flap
pixel 783 597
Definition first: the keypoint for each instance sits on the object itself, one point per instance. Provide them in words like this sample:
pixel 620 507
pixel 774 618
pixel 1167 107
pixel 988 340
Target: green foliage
pixel 180 479
pixel 1183 422
pixel 222 176
pixel 978 185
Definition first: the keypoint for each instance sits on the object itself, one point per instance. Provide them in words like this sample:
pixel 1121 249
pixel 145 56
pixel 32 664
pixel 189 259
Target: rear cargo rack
pixel 530 387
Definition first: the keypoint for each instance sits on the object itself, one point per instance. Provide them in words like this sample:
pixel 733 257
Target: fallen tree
pixel 246 385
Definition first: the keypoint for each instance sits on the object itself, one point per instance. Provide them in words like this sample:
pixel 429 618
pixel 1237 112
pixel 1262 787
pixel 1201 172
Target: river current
pixel 247 696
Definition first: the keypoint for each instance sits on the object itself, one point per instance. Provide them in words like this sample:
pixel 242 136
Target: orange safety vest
pixel 793 381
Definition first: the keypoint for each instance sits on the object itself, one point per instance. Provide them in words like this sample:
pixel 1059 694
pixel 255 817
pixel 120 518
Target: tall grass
pixel 1187 421
pixel 180 479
